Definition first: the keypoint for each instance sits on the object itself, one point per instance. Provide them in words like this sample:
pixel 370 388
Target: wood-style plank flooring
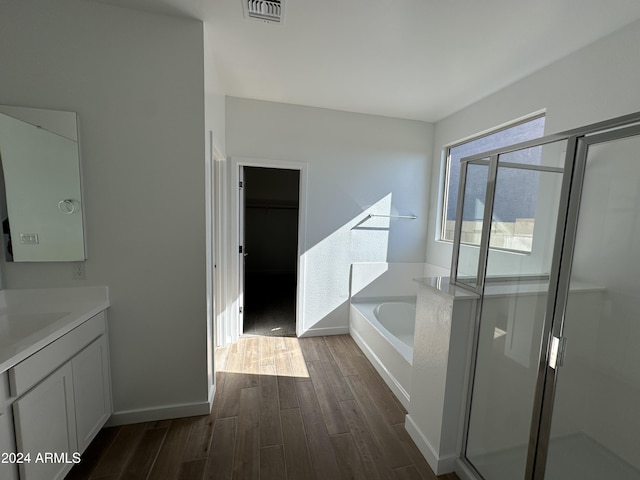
pixel 285 409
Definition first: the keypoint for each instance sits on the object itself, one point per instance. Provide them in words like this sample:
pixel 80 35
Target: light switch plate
pixel 29 238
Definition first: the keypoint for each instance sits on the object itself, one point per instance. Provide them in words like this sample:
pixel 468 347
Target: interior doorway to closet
pixel 269 225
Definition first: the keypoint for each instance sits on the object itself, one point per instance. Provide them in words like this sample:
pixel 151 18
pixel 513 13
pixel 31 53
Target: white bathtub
pixel 383 328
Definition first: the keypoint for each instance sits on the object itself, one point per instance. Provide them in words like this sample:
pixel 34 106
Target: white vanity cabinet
pixel 62 399
pixel 8 469
pixel 45 423
pixel 91 390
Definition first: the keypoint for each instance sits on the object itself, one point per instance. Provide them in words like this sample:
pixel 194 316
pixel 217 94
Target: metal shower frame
pixel 578 142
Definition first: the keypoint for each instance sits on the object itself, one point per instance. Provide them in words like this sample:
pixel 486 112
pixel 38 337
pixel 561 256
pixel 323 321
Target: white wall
pixel 215 158
pixel 594 84
pixel 214 96
pixel 380 280
pixel 356 164
pixel 136 81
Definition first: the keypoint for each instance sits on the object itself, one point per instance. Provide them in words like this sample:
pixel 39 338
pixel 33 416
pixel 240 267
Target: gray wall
pixel 600 385
pixel 356 164
pixel 137 83
pixel 594 84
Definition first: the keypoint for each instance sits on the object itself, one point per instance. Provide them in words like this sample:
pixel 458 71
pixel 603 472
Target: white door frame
pixel 222 246
pixel 242 195
pixel 214 161
pixel 217 219
pixel 234 325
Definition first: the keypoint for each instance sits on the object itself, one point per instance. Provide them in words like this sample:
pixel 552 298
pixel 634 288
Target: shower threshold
pixel 572 456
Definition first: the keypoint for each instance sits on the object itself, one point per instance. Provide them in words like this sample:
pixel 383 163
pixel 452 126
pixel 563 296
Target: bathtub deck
pixel 285 408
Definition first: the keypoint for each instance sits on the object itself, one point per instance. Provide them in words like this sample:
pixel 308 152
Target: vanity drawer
pixel 33 369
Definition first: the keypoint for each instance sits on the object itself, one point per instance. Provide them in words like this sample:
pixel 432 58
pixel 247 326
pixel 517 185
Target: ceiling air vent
pixel 268 11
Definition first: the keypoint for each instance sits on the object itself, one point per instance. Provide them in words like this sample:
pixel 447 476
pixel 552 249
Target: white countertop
pixel 498 289
pixel 442 286
pixel 30 319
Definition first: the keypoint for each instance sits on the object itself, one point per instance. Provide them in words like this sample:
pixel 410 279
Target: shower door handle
pixel 557 351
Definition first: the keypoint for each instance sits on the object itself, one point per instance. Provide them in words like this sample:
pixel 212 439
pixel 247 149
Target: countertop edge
pixel 73 320
pixel 441 286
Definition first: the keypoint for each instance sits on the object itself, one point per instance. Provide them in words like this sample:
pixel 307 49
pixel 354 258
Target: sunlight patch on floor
pixel 263 355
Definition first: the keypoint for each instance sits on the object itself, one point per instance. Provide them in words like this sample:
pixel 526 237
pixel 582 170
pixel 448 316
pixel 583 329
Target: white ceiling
pixel 415 59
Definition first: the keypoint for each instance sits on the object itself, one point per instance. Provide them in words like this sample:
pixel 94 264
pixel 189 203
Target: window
pixel 520 213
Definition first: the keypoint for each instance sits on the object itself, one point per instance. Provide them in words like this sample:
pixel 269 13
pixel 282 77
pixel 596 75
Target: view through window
pixel 515 208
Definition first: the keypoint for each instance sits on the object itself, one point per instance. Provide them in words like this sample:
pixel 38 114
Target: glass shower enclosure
pixel 555 375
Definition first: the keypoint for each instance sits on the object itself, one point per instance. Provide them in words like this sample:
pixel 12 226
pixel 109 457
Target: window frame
pixel 446 156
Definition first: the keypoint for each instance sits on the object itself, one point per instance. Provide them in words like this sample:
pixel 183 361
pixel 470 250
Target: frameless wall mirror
pixel 42 218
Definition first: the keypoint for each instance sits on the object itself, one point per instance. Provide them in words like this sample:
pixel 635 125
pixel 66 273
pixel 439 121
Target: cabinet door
pixel 45 427
pixel 92 392
pixel 7 466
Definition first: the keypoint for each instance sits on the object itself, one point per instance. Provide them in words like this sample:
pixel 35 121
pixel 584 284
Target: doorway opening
pixel 269 226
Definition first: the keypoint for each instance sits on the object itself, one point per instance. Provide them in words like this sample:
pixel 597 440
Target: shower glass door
pixel 595 419
pixel 475 178
pixel 524 211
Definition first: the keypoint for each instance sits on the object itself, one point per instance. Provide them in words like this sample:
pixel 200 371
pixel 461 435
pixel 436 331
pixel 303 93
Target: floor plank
pixel 297 461
pixel 251 365
pixel 285 409
pixel 298 360
pixel 378 425
pixel 341 354
pixel 220 462
pixel 171 453
pixel 337 382
pixel 246 463
pixel 370 453
pixel 322 351
pixel 267 351
pixel 93 454
pixel 328 403
pixel 349 460
pixel 416 457
pixel 322 454
pixel 380 393
pixel 272 465
pixel 193 470
pixel 409 472
pixel 230 394
pixel 199 438
pixel 144 456
pixel 117 455
pixel 270 429
pixel 286 384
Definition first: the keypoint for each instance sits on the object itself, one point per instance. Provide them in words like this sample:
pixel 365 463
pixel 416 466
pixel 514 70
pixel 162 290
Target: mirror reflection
pixel 42 215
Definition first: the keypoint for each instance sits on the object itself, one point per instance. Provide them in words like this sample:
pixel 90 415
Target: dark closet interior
pixel 271 247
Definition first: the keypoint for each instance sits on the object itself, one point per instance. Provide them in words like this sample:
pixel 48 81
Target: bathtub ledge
pixel 442 286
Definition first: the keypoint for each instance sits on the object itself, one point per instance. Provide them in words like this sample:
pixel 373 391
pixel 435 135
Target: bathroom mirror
pixel 42 211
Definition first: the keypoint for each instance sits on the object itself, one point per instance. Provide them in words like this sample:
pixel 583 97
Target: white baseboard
pixel 439 465
pixel 320 332
pixel 127 417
